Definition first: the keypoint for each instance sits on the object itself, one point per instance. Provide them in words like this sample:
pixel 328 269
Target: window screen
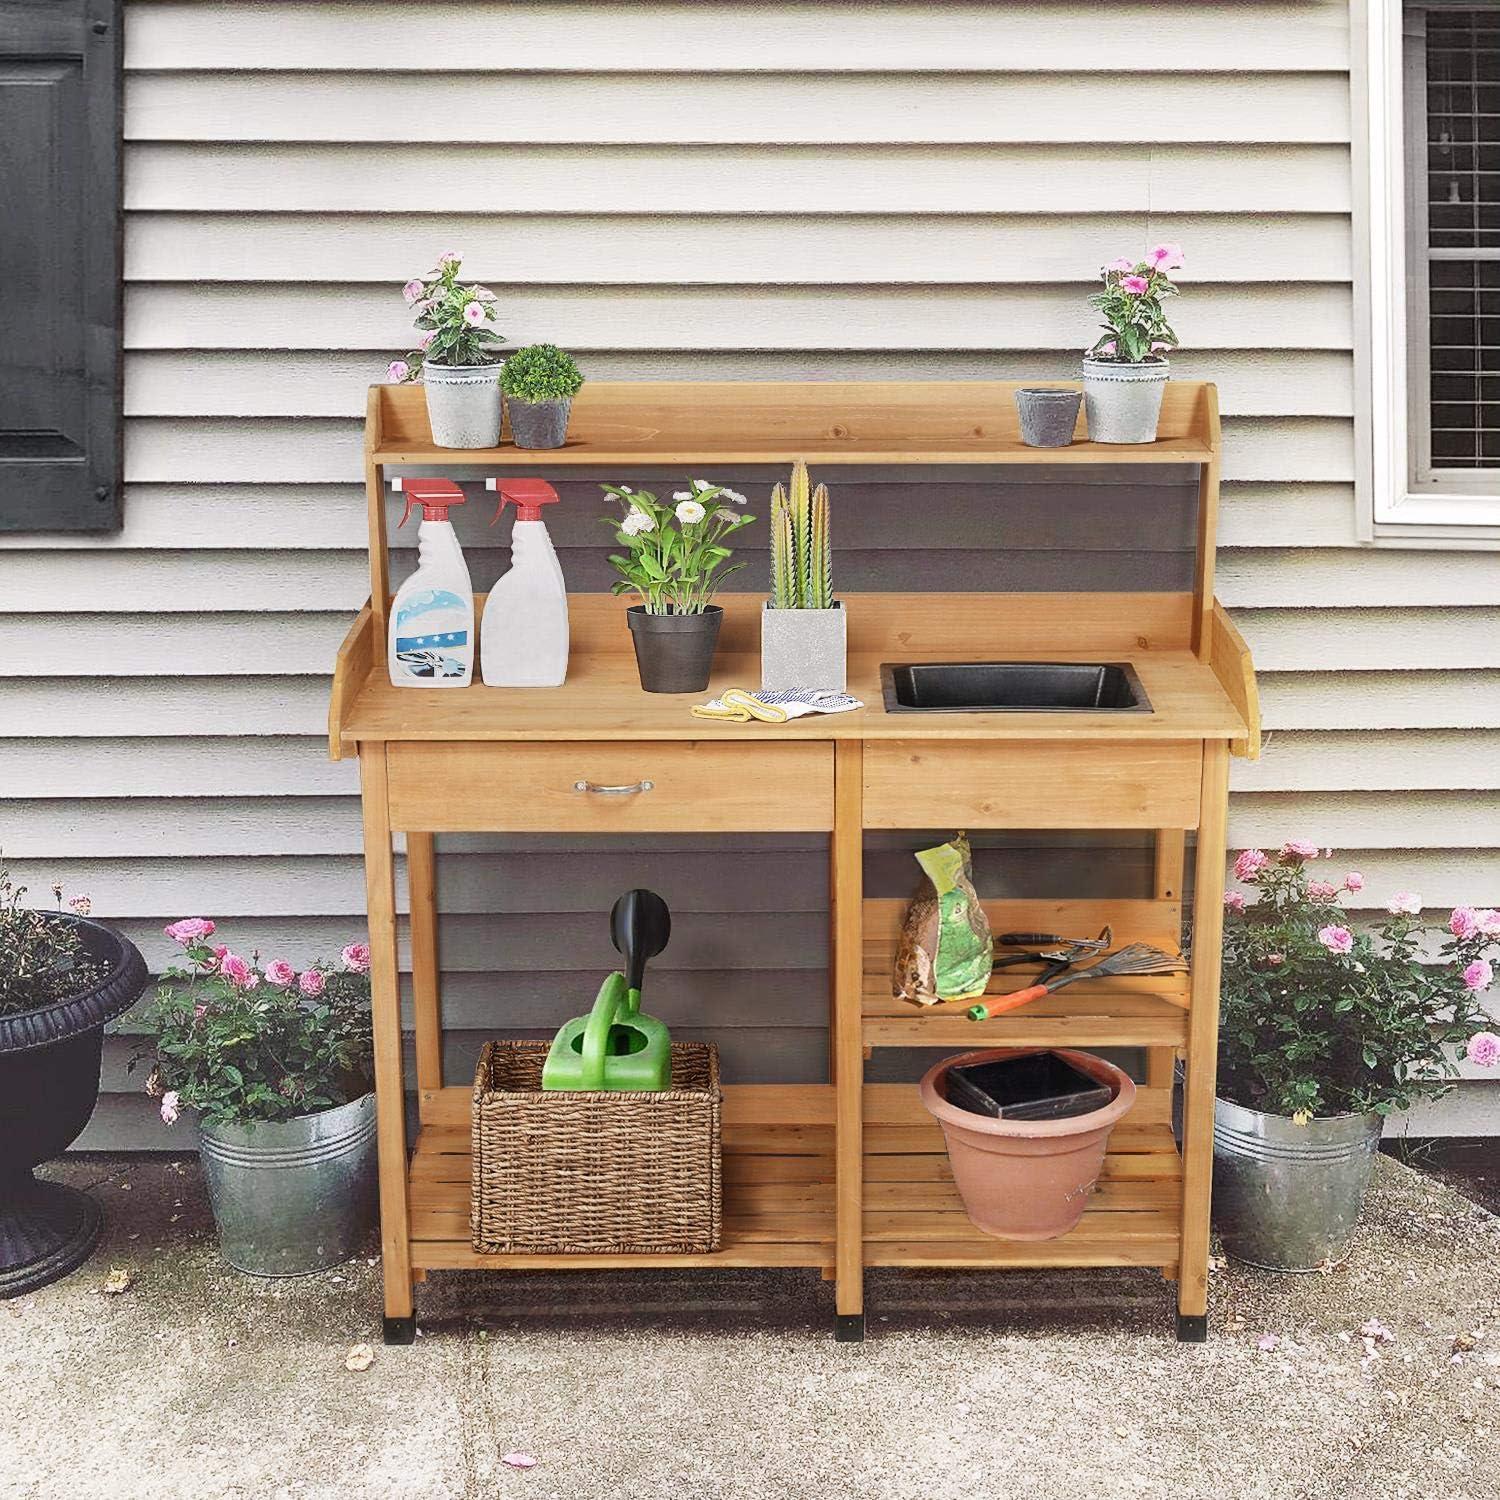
pixel 1454 264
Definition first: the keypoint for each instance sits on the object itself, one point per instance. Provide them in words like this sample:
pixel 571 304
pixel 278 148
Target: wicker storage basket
pixel 563 1172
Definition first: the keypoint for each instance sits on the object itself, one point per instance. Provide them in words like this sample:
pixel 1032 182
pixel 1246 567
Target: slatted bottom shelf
pixel 779 1193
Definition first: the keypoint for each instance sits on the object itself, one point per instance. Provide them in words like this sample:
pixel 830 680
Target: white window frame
pixel 1392 510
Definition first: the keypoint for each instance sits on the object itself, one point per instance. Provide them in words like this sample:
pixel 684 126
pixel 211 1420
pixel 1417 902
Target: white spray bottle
pixel 524 640
pixel 432 617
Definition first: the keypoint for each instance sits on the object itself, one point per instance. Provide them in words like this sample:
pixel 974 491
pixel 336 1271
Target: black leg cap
pixel 401 1330
pixel 1192 1328
pixel 849 1328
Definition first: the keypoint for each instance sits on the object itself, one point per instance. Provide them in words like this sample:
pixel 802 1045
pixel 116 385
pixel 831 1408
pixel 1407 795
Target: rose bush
pixel 240 1043
pixel 1321 1018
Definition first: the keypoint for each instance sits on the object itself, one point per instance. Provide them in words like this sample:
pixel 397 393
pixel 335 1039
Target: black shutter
pixel 60 265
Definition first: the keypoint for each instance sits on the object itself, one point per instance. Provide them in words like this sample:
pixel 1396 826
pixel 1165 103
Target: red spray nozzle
pixel 527 495
pixel 433 495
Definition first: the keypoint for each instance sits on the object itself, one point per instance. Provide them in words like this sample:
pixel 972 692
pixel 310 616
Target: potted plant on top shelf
pixel 1325 1030
pixel 539 383
pixel 1126 370
pixel 278 1067
pixel 457 357
pixel 675 561
pixel 62 976
pixel 802 629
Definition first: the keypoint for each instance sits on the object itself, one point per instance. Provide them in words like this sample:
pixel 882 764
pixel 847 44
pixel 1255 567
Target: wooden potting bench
pixel 838 1175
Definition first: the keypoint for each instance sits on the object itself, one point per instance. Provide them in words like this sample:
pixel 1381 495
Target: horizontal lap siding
pixel 688 191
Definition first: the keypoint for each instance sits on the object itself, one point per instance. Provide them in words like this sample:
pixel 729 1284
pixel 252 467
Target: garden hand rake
pixel 1138 958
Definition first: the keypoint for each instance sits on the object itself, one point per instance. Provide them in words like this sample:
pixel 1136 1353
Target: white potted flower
pixel 457 358
pixel 1126 370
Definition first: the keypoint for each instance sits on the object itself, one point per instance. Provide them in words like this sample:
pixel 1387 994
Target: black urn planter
pixel 49 1084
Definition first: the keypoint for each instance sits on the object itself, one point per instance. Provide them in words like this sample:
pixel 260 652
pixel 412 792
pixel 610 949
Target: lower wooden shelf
pixel 779 1193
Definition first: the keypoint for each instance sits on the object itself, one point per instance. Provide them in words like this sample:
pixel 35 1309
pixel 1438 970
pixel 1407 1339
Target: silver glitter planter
pixel 804 648
pixel 1287 1197
pixel 1122 402
pixel 293 1196
pixel 463 405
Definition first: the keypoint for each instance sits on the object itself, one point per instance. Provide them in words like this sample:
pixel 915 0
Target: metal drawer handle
pixel 614 791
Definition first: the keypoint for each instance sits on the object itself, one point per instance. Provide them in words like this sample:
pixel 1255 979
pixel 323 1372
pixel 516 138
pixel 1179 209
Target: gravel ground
pixel 197 1382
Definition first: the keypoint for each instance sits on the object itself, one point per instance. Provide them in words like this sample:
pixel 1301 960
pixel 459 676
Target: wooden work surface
pixel 602 698
pixel 706 422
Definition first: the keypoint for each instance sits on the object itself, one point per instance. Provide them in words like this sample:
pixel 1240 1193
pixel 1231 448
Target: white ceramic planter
pixel 463 405
pixel 1122 402
pixel 804 648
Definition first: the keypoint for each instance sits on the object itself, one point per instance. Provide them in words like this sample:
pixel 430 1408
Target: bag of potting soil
pixel 945 951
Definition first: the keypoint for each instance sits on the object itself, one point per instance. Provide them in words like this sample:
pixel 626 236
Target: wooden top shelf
pixel 774 422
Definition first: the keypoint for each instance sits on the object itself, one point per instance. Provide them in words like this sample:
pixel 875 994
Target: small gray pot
pixel 804 648
pixel 463 405
pixel 294 1196
pixel 674 653
pixel 1123 401
pixel 539 424
pixel 1048 415
pixel 1286 1196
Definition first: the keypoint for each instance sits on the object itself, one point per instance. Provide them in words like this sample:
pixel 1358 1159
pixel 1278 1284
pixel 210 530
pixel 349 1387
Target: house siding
pixel 690 191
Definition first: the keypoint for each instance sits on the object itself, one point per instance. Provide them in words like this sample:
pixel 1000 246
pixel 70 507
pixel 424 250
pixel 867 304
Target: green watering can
pixel 616 1047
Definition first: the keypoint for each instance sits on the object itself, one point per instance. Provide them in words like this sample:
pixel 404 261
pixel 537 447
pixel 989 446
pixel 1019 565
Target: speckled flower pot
pixel 1048 414
pixel 804 648
pixel 463 405
pixel 1123 401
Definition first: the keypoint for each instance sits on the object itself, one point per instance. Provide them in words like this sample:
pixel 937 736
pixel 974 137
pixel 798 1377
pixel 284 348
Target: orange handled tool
pixel 1138 958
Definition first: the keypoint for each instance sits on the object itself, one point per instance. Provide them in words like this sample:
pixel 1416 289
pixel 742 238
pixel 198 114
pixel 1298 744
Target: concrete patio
pixel 199 1383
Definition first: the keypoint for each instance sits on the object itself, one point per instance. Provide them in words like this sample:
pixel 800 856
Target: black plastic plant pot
pixel 538 424
pixel 674 653
pixel 49 1084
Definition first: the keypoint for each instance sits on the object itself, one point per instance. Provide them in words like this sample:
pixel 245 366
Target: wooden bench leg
pixel 1202 1049
pixel 846 1049
pixel 390 1084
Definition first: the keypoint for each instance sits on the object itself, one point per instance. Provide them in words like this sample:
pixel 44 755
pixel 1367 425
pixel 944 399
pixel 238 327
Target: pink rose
pixel 1336 939
pixel 219 950
pixel 1484 1049
pixel 1405 904
pixel 1464 923
pixel 1167 258
pixel 170 1102
pixel 1234 901
pixel 238 972
pixel 473 313
pixel 311 983
pixel 397 371
pixel 1299 849
pixel 1478 975
pixel 189 930
pixel 1354 881
pixel 1135 285
pixel 280 973
pixel 1321 890
pixel 1120 264
pixel 356 958
pixel 1250 863
pixel 412 290
pixel 1489 921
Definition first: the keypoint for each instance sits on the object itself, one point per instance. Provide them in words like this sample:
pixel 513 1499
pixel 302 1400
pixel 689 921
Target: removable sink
pixel 991 687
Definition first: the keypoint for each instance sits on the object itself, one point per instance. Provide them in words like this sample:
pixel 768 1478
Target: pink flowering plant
pixel 43 956
pixel 1322 1017
pixel 240 1041
pixel 455 321
pixel 1135 326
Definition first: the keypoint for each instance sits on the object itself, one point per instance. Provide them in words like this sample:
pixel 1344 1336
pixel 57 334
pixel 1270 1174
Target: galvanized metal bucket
pixel 1286 1196
pixel 463 405
pixel 296 1196
pixel 1122 402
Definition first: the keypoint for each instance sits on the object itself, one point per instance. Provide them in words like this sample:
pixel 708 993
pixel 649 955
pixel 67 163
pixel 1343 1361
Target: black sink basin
pixel 979 687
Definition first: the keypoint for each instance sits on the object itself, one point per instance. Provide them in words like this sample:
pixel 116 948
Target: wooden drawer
pixel 695 786
pixel 1032 784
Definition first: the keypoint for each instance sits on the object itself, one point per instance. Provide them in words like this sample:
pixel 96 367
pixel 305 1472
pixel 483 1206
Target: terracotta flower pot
pixel 1026 1179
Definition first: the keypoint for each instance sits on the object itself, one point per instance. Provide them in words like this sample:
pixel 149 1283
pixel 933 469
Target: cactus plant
pixel 801 550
